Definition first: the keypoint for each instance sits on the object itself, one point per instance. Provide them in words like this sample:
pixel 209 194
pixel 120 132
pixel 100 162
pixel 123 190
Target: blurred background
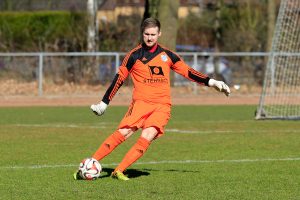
pixel 74 47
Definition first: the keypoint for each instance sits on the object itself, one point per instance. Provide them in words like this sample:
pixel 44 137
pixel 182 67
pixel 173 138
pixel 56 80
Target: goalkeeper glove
pixel 219 86
pixel 99 108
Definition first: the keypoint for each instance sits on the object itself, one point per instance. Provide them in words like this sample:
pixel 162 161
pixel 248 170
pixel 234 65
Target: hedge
pixel 39 31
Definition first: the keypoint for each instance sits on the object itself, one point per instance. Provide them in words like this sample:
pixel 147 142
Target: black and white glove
pixel 220 86
pixel 99 108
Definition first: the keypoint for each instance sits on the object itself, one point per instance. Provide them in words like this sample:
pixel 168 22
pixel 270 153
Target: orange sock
pixel 137 151
pixel 109 145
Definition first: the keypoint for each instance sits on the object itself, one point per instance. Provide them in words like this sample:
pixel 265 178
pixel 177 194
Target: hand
pixel 99 108
pixel 219 86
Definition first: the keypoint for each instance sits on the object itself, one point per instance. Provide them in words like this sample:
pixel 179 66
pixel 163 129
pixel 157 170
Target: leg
pixel 138 150
pixel 112 142
pixel 109 145
pixel 127 132
pixel 149 133
pixel 155 117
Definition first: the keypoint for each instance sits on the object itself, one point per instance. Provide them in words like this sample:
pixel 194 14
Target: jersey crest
pixel 164 57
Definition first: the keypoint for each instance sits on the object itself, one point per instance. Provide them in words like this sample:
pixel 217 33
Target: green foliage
pixel 196 30
pixel 120 36
pixel 40 31
pixel 242 22
pixel 246 23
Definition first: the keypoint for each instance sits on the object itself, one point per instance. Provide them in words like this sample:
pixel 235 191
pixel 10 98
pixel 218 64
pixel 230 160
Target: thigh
pixel 159 119
pixel 136 114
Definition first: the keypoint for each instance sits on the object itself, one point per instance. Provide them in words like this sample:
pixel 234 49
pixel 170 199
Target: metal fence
pixel 34 73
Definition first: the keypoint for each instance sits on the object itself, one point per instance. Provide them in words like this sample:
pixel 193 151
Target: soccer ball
pixel 89 169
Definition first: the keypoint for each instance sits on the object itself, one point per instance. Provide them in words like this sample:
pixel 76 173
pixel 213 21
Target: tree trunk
pixel 271 23
pixel 91 32
pixel 151 8
pixel 168 16
pixel 167 13
pixel 217 25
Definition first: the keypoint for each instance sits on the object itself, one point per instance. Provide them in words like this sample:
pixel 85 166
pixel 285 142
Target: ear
pixel 159 34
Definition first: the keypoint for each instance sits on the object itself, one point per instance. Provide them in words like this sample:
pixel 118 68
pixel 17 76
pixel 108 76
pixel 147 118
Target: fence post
pixel 195 64
pixel 273 73
pixel 40 81
pixel 117 62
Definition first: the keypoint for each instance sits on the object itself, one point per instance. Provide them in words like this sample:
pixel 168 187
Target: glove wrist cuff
pixel 211 82
pixel 103 105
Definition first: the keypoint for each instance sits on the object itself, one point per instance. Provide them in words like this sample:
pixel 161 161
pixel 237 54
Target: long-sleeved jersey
pixel 150 72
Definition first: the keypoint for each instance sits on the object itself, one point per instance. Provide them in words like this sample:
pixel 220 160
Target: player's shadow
pixel 131 173
pixel 173 170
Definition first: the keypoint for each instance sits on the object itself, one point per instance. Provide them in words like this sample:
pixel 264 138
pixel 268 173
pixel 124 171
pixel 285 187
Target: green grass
pixel 207 152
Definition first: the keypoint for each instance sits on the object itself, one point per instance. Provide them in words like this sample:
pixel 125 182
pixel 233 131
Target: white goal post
pixel 280 97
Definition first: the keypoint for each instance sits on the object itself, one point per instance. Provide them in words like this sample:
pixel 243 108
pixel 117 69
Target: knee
pixel 127 132
pixel 149 133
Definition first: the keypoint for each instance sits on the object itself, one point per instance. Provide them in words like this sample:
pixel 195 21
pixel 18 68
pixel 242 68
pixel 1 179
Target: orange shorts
pixel 143 114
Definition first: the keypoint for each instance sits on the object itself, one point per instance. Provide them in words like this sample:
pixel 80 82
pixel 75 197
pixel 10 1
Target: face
pixel 151 35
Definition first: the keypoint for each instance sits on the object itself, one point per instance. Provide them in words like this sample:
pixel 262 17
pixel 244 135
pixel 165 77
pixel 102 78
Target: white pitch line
pixel 179 131
pixel 228 131
pixel 58 126
pixel 159 162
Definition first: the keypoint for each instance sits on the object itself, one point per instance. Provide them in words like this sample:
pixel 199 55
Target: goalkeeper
pixel 149 66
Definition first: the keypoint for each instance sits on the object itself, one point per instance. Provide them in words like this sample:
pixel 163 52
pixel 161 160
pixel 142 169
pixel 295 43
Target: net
pixel 280 98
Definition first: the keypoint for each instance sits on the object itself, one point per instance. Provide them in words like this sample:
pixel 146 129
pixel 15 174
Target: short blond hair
pixel 149 23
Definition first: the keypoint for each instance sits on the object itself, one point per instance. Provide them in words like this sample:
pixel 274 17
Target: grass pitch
pixel 207 152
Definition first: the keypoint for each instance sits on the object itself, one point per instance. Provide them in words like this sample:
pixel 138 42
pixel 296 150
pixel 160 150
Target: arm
pixel 180 67
pixel 100 108
pixel 183 69
pixel 117 82
pixel 113 88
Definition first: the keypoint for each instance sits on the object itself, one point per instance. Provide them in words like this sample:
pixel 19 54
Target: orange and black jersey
pixel 150 72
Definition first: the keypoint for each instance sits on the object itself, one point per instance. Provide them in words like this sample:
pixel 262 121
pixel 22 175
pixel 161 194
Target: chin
pixel 150 44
